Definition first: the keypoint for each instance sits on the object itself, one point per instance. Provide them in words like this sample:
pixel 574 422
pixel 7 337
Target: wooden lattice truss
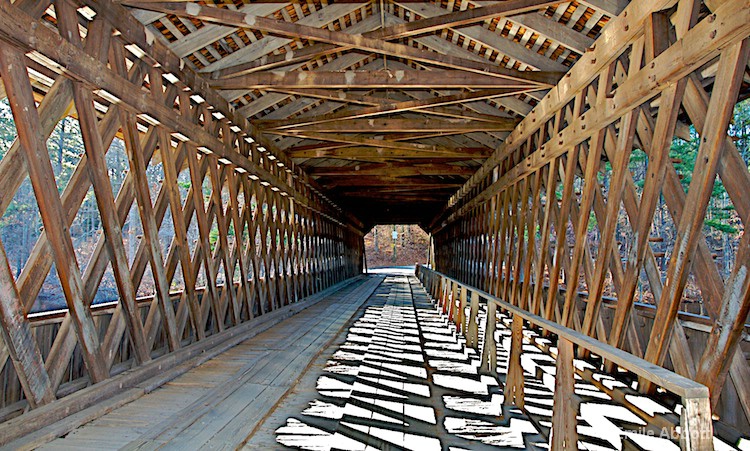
pixel 656 65
pixel 342 100
pixel 278 241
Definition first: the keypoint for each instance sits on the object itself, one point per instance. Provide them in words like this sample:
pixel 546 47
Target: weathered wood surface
pixel 219 402
pixel 697 430
pixel 580 250
pixel 290 62
pixel 165 115
pixel 176 80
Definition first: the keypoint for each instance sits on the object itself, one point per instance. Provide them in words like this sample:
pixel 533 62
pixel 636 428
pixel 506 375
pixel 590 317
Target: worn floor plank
pixel 217 404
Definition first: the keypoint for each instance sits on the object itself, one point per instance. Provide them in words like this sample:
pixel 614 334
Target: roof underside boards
pixel 389 105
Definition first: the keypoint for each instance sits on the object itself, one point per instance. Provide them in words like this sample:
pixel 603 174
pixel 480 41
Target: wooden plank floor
pixel 403 378
pixel 219 403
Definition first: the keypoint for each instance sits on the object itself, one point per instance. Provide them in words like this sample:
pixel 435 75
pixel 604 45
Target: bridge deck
pixel 220 402
pixel 373 366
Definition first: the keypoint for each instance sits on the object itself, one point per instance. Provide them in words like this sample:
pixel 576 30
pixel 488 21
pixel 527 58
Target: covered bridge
pixel 185 187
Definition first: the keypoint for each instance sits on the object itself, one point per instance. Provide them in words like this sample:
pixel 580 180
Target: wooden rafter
pixel 398 107
pixel 391 169
pixel 399 79
pixel 408 125
pixel 239 19
pixel 398 111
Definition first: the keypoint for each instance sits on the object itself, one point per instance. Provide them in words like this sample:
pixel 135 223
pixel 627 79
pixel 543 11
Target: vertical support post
pixel 472 336
pixel 446 295
pixel 697 428
pixel 439 288
pixel 460 316
pixel 564 435
pixel 489 351
pixel 453 298
pixel 514 380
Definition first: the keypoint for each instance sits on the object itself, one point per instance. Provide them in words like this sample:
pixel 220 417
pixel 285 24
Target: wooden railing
pixel 196 199
pixel 696 428
pixel 46 325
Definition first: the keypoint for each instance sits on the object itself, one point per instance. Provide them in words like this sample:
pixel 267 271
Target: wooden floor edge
pixel 43 424
pixel 367 294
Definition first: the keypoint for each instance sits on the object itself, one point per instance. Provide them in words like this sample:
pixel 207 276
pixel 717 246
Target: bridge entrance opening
pixel 396 245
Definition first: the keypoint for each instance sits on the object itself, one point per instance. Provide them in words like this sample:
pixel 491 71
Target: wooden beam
pixel 546 26
pixel 336 96
pixel 19 340
pixel 270 43
pixel 98 173
pixel 461 18
pixel 732 65
pixel 399 30
pixel 424 188
pixel 379 79
pixel 408 125
pixel 291 59
pixel 613 38
pixel 20 29
pixel 157 52
pixel 211 33
pixel 370 181
pixel 610 7
pixel 21 98
pixel 138 166
pixel 385 144
pixel 390 169
pixel 374 158
pixel 634 91
pixel 105 199
pixel 395 198
pixel 296 31
pixel 204 232
pixel 493 40
pixel 658 161
pixel 723 340
pixel 392 108
pixel 181 245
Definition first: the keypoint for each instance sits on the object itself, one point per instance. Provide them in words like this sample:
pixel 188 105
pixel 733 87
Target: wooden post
pixel 460 316
pixel 472 336
pixel 489 351
pixel 450 308
pixel 697 433
pixel 564 435
pixel 514 380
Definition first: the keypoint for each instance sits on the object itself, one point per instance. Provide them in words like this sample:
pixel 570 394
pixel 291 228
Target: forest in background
pixel 20 225
pixel 409 248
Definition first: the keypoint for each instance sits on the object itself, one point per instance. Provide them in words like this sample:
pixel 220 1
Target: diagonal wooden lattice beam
pixel 380 79
pixel 239 19
pixel 13 70
pixel 19 341
pixel 98 173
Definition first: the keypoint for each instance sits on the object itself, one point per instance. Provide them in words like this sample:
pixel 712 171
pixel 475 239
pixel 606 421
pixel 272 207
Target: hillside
pixel 410 246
